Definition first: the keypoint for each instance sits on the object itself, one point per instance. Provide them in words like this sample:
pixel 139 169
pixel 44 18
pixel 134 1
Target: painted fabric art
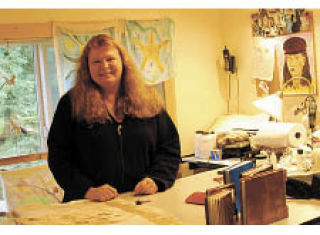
pixel 150 44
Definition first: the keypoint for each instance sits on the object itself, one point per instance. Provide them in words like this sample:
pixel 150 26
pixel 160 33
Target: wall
pixel 199 87
pixel 237 37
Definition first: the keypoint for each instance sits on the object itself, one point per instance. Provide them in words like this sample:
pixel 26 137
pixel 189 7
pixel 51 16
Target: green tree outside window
pixel 19 122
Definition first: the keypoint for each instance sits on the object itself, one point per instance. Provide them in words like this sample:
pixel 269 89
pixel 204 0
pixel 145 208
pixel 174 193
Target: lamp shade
pixel 271 104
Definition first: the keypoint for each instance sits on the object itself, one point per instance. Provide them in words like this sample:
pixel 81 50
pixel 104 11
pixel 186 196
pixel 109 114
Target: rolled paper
pixel 280 134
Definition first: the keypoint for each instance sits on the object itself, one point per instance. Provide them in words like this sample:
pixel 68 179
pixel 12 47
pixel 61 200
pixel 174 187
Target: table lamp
pixel 271 104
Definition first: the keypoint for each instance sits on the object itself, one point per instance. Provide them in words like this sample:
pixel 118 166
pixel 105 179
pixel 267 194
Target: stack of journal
pixel 263 197
pixel 219 205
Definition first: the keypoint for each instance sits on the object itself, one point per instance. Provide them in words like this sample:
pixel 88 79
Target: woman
pixel 110 133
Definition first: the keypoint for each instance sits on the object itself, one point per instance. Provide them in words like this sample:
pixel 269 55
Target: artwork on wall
pixel 263 58
pixel 69 40
pixel 150 44
pixel 296 63
pixel 277 22
pixel 287 54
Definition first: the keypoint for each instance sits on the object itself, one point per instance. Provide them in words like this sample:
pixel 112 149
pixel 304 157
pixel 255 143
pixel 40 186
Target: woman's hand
pixel 102 193
pixel 146 186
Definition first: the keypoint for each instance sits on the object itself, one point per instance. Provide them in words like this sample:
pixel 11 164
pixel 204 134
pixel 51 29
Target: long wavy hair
pixel 134 97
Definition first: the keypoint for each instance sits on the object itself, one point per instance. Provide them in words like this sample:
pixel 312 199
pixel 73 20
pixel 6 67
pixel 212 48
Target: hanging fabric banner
pixel 150 44
pixel 69 40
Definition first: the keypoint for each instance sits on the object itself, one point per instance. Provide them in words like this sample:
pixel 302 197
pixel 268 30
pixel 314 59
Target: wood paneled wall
pixel 25 31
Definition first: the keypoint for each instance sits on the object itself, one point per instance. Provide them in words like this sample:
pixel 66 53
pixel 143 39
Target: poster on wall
pixel 150 44
pixel 296 63
pixel 69 41
pixel 263 58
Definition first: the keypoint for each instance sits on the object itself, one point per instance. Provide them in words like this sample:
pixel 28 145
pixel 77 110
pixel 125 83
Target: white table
pixel 173 201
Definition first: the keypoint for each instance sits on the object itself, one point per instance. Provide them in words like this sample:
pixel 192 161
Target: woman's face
pixel 295 63
pixel 105 67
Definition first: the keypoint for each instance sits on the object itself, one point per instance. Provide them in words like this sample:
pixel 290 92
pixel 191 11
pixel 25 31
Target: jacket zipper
pixel 119 130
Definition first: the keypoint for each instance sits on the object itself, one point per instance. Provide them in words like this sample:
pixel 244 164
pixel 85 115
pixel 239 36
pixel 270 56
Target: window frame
pixel 44 110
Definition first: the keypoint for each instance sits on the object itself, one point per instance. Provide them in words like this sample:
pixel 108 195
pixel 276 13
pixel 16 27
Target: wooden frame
pixel 23 158
pixel 25 31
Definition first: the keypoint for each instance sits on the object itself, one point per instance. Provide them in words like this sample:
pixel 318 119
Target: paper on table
pixel 117 211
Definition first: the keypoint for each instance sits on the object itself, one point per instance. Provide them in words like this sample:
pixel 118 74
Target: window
pixel 28 96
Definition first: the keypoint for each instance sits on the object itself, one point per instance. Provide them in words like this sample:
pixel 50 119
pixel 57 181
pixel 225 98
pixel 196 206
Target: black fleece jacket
pixel 119 154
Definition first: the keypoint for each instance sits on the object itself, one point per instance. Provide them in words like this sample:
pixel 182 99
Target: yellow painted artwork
pixel 151 51
pixel 150 45
pixel 296 64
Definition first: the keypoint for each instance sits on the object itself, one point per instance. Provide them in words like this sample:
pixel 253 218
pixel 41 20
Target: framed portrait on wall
pixel 296 65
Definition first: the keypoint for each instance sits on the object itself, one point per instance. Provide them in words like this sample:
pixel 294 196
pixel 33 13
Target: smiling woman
pixel 106 70
pixel 110 133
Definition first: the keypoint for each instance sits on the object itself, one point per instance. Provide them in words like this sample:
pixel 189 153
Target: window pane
pixel 19 122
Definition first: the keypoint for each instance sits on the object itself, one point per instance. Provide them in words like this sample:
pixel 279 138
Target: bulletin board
pixel 283 50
